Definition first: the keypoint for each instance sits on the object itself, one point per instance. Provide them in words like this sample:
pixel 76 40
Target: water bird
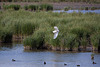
pixel 13 60
pixel 78 65
pixel 44 62
pixel 56 31
pixel 94 62
pixel 65 64
pixel 92 57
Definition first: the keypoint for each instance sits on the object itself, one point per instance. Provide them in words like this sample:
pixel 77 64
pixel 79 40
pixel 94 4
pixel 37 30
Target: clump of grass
pixel 16 28
pixel 46 7
pixel 36 41
pixel 81 8
pixel 70 42
pixel 80 32
pixel 29 41
pixel 33 7
pixel 5 7
pixel 86 8
pixel 26 7
pixel 27 28
pixel 67 8
pixel 43 7
pixel 5 36
pixel 15 7
pixel 94 8
pixel 39 36
pixel 84 42
pixel 96 40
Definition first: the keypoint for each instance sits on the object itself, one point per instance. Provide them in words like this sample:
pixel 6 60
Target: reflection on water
pixel 37 58
pixel 5 46
pixel 77 11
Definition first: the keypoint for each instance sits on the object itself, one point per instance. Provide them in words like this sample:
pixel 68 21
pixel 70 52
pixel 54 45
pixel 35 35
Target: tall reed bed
pixel 43 7
pixel 33 7
pixel 5 36
pixel 15 7
pixel 76 29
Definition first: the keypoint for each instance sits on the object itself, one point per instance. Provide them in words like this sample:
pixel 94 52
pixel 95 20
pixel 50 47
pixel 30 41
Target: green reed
pixel 75 29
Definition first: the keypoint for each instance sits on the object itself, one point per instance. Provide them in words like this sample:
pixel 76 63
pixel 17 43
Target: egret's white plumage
pixel 56 31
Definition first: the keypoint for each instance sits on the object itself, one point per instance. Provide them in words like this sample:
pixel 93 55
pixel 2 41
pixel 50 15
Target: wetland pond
pixel 36 58
pixel 77 11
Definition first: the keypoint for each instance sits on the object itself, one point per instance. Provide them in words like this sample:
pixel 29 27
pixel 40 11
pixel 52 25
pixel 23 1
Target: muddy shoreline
pixel 57 5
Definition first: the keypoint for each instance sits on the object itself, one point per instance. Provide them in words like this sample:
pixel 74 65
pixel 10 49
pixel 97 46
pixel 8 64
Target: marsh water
pixel 77 11
pixel 36 58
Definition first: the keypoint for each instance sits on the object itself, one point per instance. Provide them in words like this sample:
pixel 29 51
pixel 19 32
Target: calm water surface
pixel 36 58
pixel 77 11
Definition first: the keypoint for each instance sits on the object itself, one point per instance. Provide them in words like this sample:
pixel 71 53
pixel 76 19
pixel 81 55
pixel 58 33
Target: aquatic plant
pixel 95 40
pixel 86 8
pixel 94 8
pixel 46 7
pixel 28 41
pixel 70 41
pixel 81 8
pixel 12 6
pixel 5 7
pixel 27 28
pixel 26 7
pixel 76 29
pixel 16 28
pixel 36 40
pixel 33 7
pixel 67 8
pixel 5 36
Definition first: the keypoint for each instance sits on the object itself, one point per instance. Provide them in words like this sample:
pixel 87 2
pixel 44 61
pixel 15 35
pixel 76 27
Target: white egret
pixel 56 31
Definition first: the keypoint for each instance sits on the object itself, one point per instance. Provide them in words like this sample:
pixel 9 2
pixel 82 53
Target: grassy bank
pixel 76 29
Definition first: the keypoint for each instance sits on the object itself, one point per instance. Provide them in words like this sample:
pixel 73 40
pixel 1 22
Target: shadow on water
pixel 99 48
pixel 6 46
pixel 9 46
